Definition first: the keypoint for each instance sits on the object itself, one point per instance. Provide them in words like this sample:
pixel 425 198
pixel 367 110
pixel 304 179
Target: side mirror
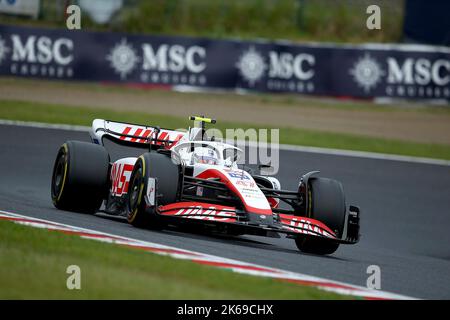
pixel 228 162
pixel 265 169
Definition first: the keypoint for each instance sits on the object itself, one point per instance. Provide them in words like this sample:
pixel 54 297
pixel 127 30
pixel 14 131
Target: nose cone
pixel 260 219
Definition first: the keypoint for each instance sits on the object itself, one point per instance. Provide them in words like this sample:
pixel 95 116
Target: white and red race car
pixel 186 179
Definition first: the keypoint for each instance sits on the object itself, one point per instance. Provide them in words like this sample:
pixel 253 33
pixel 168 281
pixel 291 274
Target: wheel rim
pixel 58 176
pixel 135 190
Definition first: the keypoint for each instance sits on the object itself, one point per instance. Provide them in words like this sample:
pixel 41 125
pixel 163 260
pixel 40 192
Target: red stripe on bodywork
pixel 175 141
pixel 137 133
pixel 125 132
pixel 145 135
pixel 162 136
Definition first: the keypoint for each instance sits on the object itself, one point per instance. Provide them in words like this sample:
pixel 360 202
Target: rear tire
pixel 80 177
pixel 167 175
pixel 327 204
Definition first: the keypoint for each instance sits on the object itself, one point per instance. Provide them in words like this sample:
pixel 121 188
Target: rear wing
pixel 135 135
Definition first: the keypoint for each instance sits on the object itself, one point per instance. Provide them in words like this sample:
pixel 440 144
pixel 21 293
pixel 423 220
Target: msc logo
pixel 418 71
pixel 123 58
pixel 285 65
pixel 43 50
pixel 367 72
pixel 162 59
pixel 414 77
pixel 251 66
pixel 281 66
pixel 39 55
pixel 174 58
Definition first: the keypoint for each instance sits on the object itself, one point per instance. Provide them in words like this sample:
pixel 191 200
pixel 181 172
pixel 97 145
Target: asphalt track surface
pixel 405 214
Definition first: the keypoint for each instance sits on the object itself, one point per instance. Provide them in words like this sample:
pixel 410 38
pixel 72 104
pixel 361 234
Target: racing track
pixel 405 217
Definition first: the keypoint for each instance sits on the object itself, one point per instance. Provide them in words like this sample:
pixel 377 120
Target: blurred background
pixel 298 20
pixel 383 90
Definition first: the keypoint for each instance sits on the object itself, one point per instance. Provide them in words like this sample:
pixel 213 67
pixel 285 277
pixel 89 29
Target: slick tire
pixel 167 180
pixel 80 177
pixel 326 204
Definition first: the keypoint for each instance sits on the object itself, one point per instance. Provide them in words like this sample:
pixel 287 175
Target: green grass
pixel 297 20
pixel 33 265
pixel 269 99
pixel 30 111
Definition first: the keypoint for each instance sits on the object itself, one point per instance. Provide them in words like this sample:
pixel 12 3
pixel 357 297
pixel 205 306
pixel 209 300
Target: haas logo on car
pixel 120 178
pixel 141 135
pixel 211 213
pixel 307 227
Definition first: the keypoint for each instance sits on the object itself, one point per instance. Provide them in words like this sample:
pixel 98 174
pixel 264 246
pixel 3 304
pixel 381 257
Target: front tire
pixel 167 175
pixel 326 201
pixel 80 177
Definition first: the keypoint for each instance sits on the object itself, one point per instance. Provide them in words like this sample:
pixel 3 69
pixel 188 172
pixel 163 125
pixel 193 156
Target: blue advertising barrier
pixel 360 71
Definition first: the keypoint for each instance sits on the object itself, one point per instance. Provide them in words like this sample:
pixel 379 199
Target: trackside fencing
pixel 185 63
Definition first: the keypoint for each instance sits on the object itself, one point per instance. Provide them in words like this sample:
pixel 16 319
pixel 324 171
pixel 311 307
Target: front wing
pixel 219 215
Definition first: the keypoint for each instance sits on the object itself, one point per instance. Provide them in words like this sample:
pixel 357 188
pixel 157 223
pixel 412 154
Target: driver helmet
pixel 205 155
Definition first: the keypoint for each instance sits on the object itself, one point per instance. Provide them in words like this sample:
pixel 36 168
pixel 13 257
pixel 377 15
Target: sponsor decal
pixel 367 72
pixel 42 56
pixel 291 72
pixel 174 58
pixel 247 190
pixel 174 64
pixel 305 227
pixel 163 64
pixel 210 213
pixel 142 134
pixel 245 183
pixel 409 77
pixel 251 66
pixel 151 192
pixel 327 70
pixel 123 58
pixel 418 77
pixel 120 178
pixel 284 71
pixel 238 175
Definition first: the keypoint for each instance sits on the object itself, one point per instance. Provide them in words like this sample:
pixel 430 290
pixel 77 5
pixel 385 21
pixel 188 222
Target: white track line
pixel 286 147
pixel 43 125
pixel 205 259
pixel 365 154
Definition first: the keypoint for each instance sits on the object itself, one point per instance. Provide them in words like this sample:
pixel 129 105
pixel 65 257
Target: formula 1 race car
pixel 187 179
